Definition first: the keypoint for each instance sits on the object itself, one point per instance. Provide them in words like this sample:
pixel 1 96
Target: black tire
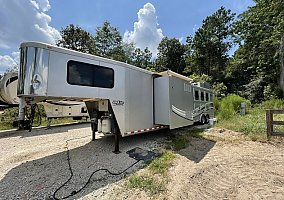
pixel 203 120
pixel 207 119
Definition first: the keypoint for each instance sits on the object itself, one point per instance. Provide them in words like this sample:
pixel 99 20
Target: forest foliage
pixel 255 70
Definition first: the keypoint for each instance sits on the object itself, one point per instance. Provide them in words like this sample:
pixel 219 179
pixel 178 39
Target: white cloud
pixel 24 20
pixel 6 62
pixel 146 31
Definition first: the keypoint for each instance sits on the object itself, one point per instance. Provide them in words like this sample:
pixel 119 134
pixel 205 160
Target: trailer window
pixel 202 96
pixel 211 97
pixel 206 96
pixel 196 95
pixel 85 74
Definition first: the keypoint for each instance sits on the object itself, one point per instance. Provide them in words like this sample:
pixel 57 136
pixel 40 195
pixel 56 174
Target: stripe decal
pixel 191 115
pixel 145 130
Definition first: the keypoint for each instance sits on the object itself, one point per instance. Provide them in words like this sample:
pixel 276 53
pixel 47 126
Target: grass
pixel 11 114
pixel 60 121
pixel 8 124
pixel 147 183
pixel 162 164
pixel 154 177
pixel 181 140
pixel 253 124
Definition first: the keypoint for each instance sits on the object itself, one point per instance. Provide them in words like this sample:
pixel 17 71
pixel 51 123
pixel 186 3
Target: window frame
pixel 202 96
pixel 198 92
pixel 207 96
pixel 93 68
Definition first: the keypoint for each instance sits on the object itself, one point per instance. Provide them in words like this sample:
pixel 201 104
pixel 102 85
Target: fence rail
pixel 270 122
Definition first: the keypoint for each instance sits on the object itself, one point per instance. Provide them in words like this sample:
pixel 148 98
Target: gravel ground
pixel 33 165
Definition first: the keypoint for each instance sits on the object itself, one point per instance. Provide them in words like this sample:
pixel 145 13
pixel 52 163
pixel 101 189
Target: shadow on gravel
pixel 197 149
pixel 43 131
pixel 198 146
pixel 38 179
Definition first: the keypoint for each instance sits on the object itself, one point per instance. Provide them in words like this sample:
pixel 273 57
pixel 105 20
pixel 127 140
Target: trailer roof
pixel 171 73
pixel 80 54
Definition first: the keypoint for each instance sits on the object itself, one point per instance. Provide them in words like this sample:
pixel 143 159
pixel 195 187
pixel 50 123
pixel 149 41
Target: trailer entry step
pixel 141 154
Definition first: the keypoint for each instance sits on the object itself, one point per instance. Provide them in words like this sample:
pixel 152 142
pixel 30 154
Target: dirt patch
pixel 33 165
pixel 222 134
pixel 246 170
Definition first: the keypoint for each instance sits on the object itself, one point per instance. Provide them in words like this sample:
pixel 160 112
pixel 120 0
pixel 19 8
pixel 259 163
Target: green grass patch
pixel 60 121
pixel 181 140
pixel 253 124
pixel 161 164
pixel 147 183
pixel 154 177
pixel 273 104
pixel 6 126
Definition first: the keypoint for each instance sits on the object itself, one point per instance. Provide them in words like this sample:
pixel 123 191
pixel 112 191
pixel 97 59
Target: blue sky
pixel 141 22
pixel 176 18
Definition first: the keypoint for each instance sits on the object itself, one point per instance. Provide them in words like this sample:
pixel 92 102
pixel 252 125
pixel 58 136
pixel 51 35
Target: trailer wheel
pixel 207 118
pixel 203 119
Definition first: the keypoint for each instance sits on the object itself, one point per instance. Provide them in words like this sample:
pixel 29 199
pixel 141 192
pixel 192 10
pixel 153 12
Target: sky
pixel 143 22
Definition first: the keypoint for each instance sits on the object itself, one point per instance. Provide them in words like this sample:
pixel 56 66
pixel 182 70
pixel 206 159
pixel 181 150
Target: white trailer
pixel 53 109
pixel 121 98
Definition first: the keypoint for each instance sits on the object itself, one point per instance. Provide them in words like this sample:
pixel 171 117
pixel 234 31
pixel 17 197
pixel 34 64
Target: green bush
pixel 230 106
pixel 273 103
pixel 216 103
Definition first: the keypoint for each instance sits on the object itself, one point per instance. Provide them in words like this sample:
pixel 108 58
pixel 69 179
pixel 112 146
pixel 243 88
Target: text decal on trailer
pixel 117 103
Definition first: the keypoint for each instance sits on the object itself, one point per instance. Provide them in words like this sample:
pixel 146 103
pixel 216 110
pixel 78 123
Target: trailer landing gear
pixel 116 142
pixel 94 126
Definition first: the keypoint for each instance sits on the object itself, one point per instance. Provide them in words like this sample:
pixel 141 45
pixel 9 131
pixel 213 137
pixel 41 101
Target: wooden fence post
pixel 269 119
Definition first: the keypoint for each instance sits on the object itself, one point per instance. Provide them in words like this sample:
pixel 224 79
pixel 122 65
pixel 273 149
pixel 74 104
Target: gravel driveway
pixel 33 165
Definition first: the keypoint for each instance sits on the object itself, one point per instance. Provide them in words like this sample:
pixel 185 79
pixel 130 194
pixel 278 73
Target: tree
pixel 14 68
pixel 75 38
pixel 260 30
pixel 109 41
pixel 141 58
pixel 170 55
pixel 211 44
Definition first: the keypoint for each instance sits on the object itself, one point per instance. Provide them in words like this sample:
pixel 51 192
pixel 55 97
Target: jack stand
pixel 94 126
pixel 22 123
pixel 116 142
pixel 93 135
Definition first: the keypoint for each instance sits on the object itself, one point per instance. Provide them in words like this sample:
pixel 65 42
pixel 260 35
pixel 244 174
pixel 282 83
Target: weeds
pixel 153 179
pixel 146 183
pixel 253 124
pixel 181 140
pixel 229 106
pixel 162 164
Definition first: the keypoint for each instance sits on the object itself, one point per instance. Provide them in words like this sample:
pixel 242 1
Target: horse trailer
pixel 121 99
